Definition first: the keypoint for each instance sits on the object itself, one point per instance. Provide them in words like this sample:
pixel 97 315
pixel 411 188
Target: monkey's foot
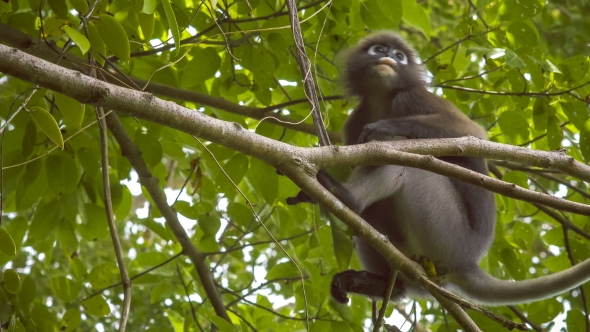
pixel 301 197
pixel 362 283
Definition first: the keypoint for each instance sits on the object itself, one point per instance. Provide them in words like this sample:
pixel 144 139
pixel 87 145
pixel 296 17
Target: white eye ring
pixel 377 49
pixel 400 57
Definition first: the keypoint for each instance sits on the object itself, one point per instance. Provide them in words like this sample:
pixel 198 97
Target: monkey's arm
pixel 335 187
pixel 439 125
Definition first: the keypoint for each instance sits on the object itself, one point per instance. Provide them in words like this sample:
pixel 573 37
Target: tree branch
pixel 199 260
pixel 308 82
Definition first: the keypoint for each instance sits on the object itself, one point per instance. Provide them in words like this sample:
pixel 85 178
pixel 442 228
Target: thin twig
pixel 390 284
pixel 104 148
pixel 305 67
pixel 251 206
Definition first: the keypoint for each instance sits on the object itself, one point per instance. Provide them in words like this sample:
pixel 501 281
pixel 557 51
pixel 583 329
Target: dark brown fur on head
pixel 361 76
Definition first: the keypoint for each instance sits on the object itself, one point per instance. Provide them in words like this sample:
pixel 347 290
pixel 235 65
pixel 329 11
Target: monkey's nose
pixel 388 61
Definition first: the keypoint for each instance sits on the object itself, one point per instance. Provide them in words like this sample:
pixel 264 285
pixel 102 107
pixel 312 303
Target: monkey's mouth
pixel 388 61
pixel 386 67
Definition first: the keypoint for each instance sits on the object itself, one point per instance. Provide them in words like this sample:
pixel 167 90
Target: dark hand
pixel 379 131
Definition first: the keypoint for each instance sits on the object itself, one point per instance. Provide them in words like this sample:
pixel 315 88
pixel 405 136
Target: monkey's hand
pixel 382 130
pixel 301 197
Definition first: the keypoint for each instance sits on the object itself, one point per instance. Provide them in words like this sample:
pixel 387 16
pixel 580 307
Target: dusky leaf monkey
pixel 423 214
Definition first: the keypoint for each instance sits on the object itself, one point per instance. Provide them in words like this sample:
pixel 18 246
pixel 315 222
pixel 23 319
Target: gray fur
pixel 423 214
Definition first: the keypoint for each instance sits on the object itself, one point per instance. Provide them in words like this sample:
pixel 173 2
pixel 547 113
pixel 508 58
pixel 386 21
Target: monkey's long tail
pixel 480 287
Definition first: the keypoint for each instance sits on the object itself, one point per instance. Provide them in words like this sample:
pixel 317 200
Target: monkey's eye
pixel 377 49
pixel 400 56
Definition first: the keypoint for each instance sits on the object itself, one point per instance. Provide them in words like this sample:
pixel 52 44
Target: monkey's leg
pixel 362 283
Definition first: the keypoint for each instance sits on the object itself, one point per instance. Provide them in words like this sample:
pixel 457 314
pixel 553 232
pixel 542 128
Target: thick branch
pixel 380 153
pixel 131 152
pixel 25 43
pixel 144 105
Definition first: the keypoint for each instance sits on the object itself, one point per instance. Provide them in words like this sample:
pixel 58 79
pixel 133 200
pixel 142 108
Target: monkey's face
pixel 388 62
pixel 381 64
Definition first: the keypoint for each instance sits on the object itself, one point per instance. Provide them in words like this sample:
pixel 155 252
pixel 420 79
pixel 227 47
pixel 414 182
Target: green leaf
pixel 176 320
pixel 151 149
pixel 263 68
pixel 222 324
pixel 6 7
pixel 514 124
pixel 146 22
pixel 71 109
pixel 45 222
pixel 381 14
pixel 186 209
pixel 64 288
pixel 43 319
pixel 282 270
pixel 570 111
pixel 114 36
pixel 546 64
pixel 11 281
pixel 47 124
pixel 513 60
pixel 576 320
pixel 544 311
pixel 204 64
pixel 148 259
pixel 7 245
pixel 264 179
pixel 342 244
pixel 585 143
pixel 236 168
pixel 521 35
pixel 15 325
pixel 172 23
pixel 79 39
pixel 96 306
pixel 149 7
pixel 540 114
pixel 208 243
pixel 28 291
pixel 102 275
pixel 554 133
pixel 98 46
pixel 240 214
pixel 415 15
pixel 35 4
pixel 518 178
pixel 514 265
pixel 81 6
pixel 71 319
pixel 209 224
pixel 59 7
pixel 520 10
pixel 557 263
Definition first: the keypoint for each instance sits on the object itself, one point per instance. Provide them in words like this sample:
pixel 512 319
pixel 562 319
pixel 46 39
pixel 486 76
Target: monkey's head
pixel 382 63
